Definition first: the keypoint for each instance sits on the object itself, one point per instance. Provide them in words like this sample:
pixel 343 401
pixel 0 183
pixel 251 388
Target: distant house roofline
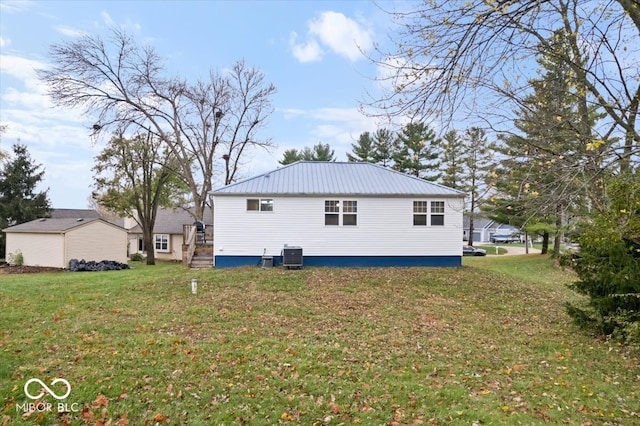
pixel 55 226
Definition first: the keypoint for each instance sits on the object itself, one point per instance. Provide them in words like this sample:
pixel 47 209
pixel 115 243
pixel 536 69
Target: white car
pixel 472 251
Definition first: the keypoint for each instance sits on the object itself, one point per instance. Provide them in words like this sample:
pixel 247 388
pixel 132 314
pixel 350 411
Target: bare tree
pixel 134 178
pixel 472 58
pixel 122 83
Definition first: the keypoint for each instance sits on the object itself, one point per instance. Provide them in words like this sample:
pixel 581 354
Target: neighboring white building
pixel 340 214
pixel 53 242
pixel 484 229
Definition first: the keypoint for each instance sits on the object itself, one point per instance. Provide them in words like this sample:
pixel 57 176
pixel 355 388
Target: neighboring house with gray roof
pixel 340 214
pixel 167 233
pixel 74 214
pixel 53 242
pixel 485 228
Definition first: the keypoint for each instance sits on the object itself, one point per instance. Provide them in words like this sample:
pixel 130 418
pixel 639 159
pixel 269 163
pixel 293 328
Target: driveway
pixel 519 250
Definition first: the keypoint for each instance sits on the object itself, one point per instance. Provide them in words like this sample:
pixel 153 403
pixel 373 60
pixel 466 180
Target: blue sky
pixel 310 50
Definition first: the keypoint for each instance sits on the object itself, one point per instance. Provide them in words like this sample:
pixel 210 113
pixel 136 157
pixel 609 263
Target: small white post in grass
pixel 194 286
pixel 496 250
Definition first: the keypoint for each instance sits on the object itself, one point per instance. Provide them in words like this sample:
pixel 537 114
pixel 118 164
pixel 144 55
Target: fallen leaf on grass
pixel 100 401
pixel 123 420
pixel 87 414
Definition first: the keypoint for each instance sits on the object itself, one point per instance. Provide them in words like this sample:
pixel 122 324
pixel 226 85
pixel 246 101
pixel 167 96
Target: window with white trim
pixel 162 242
pixel 260 204
pixel 350 213
pixel 437 213
pixel 419 213
pixel 332 212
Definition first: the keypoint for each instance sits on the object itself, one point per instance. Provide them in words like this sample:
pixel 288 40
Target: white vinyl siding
pixel 384 228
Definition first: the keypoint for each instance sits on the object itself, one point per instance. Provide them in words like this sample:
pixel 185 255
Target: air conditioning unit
pixel 292 257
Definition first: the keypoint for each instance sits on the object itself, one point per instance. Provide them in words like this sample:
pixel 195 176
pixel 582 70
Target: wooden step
pixel 201 262
pixel 203 250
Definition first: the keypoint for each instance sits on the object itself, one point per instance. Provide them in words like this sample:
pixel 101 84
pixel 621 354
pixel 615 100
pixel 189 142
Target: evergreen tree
pixel 322 152
pixel 19 201
pixel 549 169
pixel 608 265
pixel 290 156
pixel 363 151
pixel 476 159
pixel 383 142
pixel 416 151
pixel 451 161
pixel 319 152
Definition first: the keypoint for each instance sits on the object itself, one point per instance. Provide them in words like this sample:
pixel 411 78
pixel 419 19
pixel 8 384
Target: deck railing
pixel 189 233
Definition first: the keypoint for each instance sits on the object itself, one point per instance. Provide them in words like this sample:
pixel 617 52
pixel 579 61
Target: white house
pixel 484 229
pixel 340 214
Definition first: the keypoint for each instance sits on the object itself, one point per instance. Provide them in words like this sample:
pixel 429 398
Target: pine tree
pixel 319 152
pixel 417 151
pixel 549 170
pixel 451 161
pixel 363 150
pixel 383 148
pixel 476 159
pixel 19 201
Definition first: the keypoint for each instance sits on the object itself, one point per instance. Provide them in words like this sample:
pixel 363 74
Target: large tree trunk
pixel 545 243
pixel 558 232
pixel 149 245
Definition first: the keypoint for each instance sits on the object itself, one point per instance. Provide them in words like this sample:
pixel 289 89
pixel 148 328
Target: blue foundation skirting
pixel 345 261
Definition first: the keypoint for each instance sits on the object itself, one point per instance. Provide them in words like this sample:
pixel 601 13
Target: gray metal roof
pixel 336 178
pixel 50 225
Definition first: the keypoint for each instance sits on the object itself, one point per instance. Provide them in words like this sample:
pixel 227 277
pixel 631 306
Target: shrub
pixel 137 257
pixel 609 266
pixel 15 259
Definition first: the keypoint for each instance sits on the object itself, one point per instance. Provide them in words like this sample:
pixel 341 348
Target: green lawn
pixel 488 343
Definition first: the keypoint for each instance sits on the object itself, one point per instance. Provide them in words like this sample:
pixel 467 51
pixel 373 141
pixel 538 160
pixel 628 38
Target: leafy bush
pixel 15 259
pixel 609 266
pixel 137 257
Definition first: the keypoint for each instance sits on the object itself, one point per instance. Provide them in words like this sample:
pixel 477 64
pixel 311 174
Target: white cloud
pixel 335 32
pixel 106 18
pixel 305 52
pixel 15 6
pixel 57 138
pixel 70 31
pixel 338 127
pixel 342 35
pixel 22 69
pixel 5 42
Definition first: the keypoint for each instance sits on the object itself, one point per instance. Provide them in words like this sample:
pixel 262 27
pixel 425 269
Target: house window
pixel 253 205
pixel 437 213
pixel 162 242
pixel 350 216
pixel 141 245
pixel 260 204
pixel 332 212
pixel 420 213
